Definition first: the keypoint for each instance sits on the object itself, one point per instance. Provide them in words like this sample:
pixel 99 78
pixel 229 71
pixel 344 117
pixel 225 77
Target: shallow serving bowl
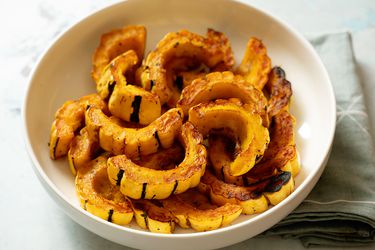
pixel 63 73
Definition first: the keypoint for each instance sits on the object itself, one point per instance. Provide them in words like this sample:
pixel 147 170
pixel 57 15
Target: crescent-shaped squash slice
pixel 253 138
pixel 280 91
pixel 223 85
pixel 139 182
pixel 69 118
pixel 132 141
pixel 250 198
pixel 221 158
pixel 280 187
pixel 255 65
pixel 115 43
pixel 99 197
pixel 164 159
pixel 193 209
pixel 152 217
pixel 83 149
pixel 114 72
pixel 213 50
pixel 281 152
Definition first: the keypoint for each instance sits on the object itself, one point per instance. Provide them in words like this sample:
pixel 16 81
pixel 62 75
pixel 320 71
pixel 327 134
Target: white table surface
pixel 29 218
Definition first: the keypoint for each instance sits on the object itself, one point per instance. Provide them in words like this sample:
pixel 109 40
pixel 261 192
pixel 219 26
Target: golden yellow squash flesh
pixel 281 150
pixel 69 118
pixel 255 65
pixel 250 199
pixel 248 130
pixel 114 73
pixel 192 209
pixel 83 148
pixel 223 85
pixel 150 216
pixel 213 50
pixel 99 197
pixel 115 43
pixel 280 91
pixel 134 142
pixel 140 182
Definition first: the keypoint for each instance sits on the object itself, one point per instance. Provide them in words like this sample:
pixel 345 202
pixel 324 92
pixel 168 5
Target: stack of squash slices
pixel 179 137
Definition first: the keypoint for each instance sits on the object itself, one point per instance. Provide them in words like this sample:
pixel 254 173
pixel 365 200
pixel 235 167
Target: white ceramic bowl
pixel 63 73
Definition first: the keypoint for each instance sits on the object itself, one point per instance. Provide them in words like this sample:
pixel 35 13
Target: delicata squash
pixel 280 91
pixel 134 142
pixel 281 152
pixel 193 209
pixel 115 43
pixel 138 182
pixel 213 50
pixel 253 199
pixel 253 138
pixel 255 65
pixel 99 197
pixel 223 85
pixel 69 118
pixel 149 215
pixel 250 199
pixel 83 148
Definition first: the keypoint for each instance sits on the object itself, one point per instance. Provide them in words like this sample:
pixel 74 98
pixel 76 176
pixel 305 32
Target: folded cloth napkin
pixel 340 211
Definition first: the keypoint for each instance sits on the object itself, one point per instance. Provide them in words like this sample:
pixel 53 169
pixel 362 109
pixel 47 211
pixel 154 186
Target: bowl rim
pixel 48 184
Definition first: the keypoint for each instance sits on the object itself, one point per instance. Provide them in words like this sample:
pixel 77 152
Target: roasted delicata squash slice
pixel 83 149
pixel 223 85
pixel 139 182
pixel 192 209
pixel 280 91
pixel 117 68
pixel 252 137
pixel 280 187
pixel 99 197
pixel 281 152
pixel 116 42
pixel 213 50
pixel 255 65
pixel 164 159
pixel 149 215
pixel 69 118
pixel 134 142
pixel 220 153
pixel 250 198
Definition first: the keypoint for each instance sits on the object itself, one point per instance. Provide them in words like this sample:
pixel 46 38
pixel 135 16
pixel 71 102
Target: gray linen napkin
pixel 340 211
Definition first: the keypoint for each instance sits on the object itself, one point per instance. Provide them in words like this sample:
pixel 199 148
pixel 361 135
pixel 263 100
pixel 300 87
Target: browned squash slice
pixel 69 118
pixel 83 149
pixel 250 198
pixel 280 91
pixel 224 85
pixel 139 182
pixel 212 50
pixel 164 159
pixel 99 197
pixel 280 187
pixel 255 65
pixel 114 72
pixel 280 152
pixel 115 43
pixel 152 217
pixel 221 158
pixel 253 138
pixel 192 209
pixel 132 141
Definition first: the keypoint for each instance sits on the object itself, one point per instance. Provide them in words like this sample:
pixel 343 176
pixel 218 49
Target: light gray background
pixel 29 218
